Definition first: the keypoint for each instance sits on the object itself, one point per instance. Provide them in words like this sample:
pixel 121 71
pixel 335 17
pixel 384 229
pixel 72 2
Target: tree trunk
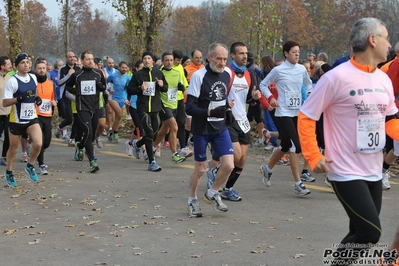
pixel 14 13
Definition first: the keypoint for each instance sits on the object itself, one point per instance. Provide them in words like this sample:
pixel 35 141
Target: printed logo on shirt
pixel 368 90
pixel 360 91
pixel 380 90
pixel 370 108
pixel 219 90
pixel 352 93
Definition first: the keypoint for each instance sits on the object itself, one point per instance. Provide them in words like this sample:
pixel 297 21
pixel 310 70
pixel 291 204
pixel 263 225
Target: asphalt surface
pixel 126 215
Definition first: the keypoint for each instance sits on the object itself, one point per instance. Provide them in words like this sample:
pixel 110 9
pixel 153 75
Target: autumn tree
pixel 65 19
pixel 142 21
pixel 14 14
pixel 38 38
pixel 185 30
pixel 213 21
pixel 4 44
pixel 254 22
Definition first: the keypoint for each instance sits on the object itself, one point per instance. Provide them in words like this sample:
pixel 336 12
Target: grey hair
pixel 213 46
pixel 57 62
pixel 361 31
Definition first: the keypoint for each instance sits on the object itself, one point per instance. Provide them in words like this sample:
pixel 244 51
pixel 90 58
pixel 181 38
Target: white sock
pixel 190 199
pixel 212 192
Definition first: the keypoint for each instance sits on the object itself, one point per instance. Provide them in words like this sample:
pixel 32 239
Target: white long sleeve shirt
pixel 289 79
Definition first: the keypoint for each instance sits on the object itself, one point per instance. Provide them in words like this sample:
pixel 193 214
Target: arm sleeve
pixel 71 85
pixel 134 86
pixel 192 107
pixel 269 79
pixel 307 138
pixel 63 80
pixel 165 86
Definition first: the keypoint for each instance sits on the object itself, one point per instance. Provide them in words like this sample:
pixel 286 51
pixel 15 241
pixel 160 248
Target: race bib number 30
pixel 88 87
pixel 150 91
pixel 28 111
pixel 370 134
pixel 293 99
pixel 45 107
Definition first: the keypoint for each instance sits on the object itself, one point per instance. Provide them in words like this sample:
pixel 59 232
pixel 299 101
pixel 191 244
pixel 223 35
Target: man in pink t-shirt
pixel 359 109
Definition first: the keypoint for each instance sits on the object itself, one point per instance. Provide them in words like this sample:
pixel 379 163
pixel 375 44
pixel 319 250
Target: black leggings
pixel 67 113
pixel 76 132
pixel 6 142
pixel 181 124
pixel 287 129
pixel 150 124
pixel 88 121
pixel 362 203
pixel 45 125
pixel 136 120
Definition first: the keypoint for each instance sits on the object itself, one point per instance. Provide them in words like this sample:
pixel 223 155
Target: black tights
pixel 46 125
pixel 150 124
pixel 88 121
pixel 362 203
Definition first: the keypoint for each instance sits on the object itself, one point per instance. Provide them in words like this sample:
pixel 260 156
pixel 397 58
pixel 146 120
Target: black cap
pixel 147 53
pixel 325 67
pixel 21 57
pixel 250 58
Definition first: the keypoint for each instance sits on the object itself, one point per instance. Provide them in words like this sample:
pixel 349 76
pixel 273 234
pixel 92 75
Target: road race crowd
pixel 341 118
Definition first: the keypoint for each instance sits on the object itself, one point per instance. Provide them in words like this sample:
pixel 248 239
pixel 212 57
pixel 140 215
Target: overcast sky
pixel 54 9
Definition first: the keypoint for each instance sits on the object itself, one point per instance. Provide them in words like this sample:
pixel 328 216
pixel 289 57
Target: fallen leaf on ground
pixel 299 255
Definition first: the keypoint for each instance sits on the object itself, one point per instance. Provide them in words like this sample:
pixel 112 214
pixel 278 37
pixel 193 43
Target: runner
pixel 289 78
pixel 357 113
pixel 20 94
pixel 147 84
pixel 207 104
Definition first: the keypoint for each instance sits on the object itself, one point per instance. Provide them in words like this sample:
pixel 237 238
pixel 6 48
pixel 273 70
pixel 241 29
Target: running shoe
pixel 136 150
pixel 99 143
pixel 177 158
pixel 327 182
pixel 93 166
pixel 385 180
pixel 283 161
pixel 115 137
pixel 186 152
pixel 307 177
pixel 57 132
pixel 129 148
pixel 194 210
pixel 109 136
pixel 269 147
pixel 32 173
pixel 301 190
pixel 65 138
pixel 43 169
pixel 216 202
pixel 258 142
pixel 10 180
pixel 166 144
pixel 3 161
pixel 266 175
pixel 79 153
pixel 104 133
pixel 24 158
pixel 71 143
pixel 230 194
pixel 157 154
pixel 154 167
pixel 145 155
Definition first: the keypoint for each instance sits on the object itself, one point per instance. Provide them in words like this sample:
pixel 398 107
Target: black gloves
pixel 219 112
pixel 38 100
pixel 229 117
pixel 23 97
pixel 100 86
pixel 180 87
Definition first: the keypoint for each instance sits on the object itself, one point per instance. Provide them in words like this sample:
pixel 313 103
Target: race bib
pixel 244 125
pixel 172 95
pixel 214 105
pixel 150 91
pixel 45 107
pixel 88 87
pixel 293 99
pixel 370 134
pixel 28 111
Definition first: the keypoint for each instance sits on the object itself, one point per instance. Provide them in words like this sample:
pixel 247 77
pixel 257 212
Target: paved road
pixel 125 215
